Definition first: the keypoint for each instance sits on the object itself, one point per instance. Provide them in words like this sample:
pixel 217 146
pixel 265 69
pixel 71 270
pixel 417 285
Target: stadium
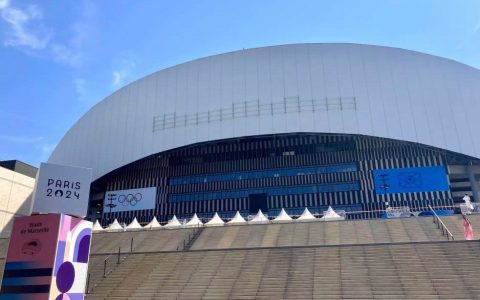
pixel 355 127
pixel 358 156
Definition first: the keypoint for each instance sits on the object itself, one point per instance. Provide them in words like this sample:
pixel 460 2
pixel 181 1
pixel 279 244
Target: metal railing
pixel 108 262
pixel 187 243
pixel 441 225
pixel 253 108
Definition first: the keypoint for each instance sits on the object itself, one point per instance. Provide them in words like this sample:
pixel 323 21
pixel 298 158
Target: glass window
pixel 273 191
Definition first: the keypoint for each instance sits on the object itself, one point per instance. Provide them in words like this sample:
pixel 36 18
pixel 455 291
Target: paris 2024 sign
pixel 62 189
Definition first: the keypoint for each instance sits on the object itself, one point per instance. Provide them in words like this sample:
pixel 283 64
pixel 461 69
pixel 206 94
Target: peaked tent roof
pixel 115 226
pixel 134 225
pixel 97 227
pixel 153 224
pixel 282 217
pixel 259 218
pixel 306 216
pixel 194 222
pixel 237 219
pixel 330 214
pixel 173 223
pixel 215 221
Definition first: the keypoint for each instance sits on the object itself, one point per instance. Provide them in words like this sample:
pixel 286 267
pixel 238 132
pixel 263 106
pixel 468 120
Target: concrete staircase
pixel 358 259
pixel 105 246
pixel 455 225
pixel 432 270
pixel 320 233
pixel 143 241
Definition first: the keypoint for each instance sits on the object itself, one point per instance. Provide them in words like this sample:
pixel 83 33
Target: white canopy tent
pixel 134 225
pixel 331 215
pixel 115 226
pixel 282 217
pixel 153 224
pixel 194 222
pixel 306 216
pixel 97 227
pixel 173 223
pixel 215 221
pixel 237 220
pixel 259 218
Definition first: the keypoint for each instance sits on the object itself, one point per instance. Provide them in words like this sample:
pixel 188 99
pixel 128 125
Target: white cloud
pixel 21 139
pixel 4 4
pixel 81 89
pixel 24 30
pixel 80 85
pixel 47 148
pixel 28 32
pixel 70 56
pixel 121 74
pixel 71 52
pixel 36 144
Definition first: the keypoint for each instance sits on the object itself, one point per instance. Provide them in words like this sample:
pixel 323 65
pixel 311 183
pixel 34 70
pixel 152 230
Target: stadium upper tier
pixel 319 88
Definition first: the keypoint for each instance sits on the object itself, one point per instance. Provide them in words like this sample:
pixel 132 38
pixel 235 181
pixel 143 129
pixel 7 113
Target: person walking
pixel 468 203
pixel 467 228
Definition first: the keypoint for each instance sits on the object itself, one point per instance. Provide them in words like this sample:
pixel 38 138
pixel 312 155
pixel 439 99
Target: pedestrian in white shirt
pixel 468 203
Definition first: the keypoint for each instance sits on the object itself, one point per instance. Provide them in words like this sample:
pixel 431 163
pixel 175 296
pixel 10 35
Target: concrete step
pixel 404 271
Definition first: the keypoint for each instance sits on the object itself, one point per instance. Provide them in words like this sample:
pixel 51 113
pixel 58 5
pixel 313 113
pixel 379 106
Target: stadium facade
pixel 354 126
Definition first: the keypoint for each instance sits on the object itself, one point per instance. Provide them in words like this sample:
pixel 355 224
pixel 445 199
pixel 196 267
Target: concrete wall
pixel 15 198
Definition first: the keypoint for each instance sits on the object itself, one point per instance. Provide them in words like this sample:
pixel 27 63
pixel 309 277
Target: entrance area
pixel 258 201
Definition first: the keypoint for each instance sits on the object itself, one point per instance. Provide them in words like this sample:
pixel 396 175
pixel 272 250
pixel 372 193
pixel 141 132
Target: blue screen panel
pixel 410 180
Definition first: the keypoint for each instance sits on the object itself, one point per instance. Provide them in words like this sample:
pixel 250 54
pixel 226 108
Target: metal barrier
pixel 441 225
pixel 106 263
pixel 191 238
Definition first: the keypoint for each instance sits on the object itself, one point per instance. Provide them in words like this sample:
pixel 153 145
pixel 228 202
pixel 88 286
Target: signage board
pixel 62 189
pixel 410 180
pixel 47 258
pixel 127 200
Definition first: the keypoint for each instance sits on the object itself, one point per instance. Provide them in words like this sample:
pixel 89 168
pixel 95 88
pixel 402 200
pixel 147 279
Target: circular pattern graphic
pixel 121 199
pixel 129 199
pixel 65 277
pixel 63 297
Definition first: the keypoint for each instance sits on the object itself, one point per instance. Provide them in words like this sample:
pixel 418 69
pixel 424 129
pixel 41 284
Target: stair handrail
pixel 192 238
pixel 105 262
pixel 441 225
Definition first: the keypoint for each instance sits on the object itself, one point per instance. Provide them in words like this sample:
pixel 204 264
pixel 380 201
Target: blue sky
pixel 59 58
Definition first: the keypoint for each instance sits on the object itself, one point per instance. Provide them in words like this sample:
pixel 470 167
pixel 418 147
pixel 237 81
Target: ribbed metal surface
pixel 397 94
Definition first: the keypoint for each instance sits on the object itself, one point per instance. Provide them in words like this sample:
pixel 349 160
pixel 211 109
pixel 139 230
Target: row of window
pixel 270 191
pixel 299 171
pixel 239 153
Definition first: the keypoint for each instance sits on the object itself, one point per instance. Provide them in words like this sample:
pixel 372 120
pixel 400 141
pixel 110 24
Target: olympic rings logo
pixel 129 199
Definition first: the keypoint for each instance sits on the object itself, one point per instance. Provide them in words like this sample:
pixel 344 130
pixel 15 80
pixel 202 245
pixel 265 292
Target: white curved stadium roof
pixel 328 88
